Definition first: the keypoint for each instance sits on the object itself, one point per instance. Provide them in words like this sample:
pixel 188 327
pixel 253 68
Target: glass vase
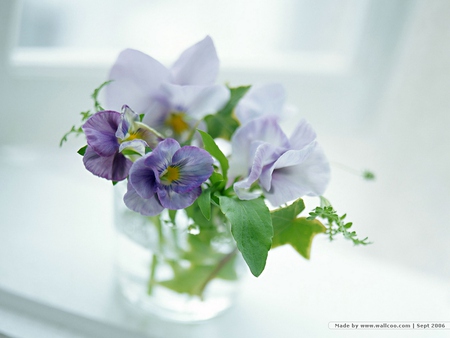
pixel 178 265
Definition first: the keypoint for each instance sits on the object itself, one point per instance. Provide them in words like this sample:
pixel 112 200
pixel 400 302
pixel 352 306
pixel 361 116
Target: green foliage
pixel 298 232
pixel 213 149
pixel 336 224
pixel 73 130
pixel 368 175
pixel 193 280
pixel 85 115
pixel 223 123
pixel 204 203
pixel 130 152
pixel 95 94
pixel 82 150
pixel 252 229
pixel 205 262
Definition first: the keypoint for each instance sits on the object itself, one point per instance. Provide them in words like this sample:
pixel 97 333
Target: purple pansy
pixel 173 99
pixel 285 168
pixel 108 133
pixel 168 177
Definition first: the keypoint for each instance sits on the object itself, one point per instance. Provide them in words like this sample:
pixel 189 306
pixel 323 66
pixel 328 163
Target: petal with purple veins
pixel 310 177
pixel 264 154
pixel 100 130
pixel 194 166
pixel 135 145
pixel 161 157
pixel 114 167
pixel 173 200
pixel 128 118
pixel 143 178
pixel 261 130
pixel 145 206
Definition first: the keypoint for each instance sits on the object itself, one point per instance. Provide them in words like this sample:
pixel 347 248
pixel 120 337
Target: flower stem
pixel 151 281
pixel 214 273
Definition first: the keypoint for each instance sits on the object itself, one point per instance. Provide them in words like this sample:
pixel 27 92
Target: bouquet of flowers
pixel 211 155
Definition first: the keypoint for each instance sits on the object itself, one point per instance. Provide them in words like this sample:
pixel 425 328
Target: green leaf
pixel 190 280
pixel 85 115
pixel 129 151
pixel 204 203
pixel 82 150
pixel 236 95
pixel 298 232
pixel 251 227
pixel 212 148
pixel 223 123
pixel 73 130
pixel 172 215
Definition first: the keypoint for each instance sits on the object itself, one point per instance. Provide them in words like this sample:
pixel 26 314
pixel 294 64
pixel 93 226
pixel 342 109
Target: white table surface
pixel 57 275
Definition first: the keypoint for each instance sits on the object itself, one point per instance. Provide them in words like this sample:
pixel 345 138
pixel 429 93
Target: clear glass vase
pixel 178 266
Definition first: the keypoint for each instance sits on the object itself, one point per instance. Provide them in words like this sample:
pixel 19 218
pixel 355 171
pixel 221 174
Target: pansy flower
pixel 285 168
pixel 173 99
pixel 108 134
pixel 168 177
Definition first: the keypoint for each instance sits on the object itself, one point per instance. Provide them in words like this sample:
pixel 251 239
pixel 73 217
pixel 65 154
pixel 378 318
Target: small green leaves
pixel 336 224
pixel 95 94
pixel 82 150
pixel 298 232
pixel 223 123
pixel 213 149
pixel 73 130
pixel 252 229
pixel 85 115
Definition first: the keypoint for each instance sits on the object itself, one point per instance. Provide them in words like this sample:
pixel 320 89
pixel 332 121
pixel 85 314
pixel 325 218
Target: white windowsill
pixel 56 270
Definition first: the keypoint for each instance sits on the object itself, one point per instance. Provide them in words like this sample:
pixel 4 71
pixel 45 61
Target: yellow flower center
pixel 177 123
pixel 132 137
pixel 169 175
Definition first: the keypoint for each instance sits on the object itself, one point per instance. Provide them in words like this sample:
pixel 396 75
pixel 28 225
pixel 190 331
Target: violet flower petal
pixel 197 65
pixel 245 140
pixel 114 167
pixel 100 130
pixel 143 178
pixel 173 200
pixel 134 76
pixel 195 167
pixel 302 135
pixel 128 118
pixel 161 157
pixel 310 177
pixel 136 145
pixel 261 100
pixel 145 206
pixel 287 159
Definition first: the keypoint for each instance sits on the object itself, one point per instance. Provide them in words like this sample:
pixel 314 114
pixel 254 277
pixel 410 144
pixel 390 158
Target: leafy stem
pixel 216 270
pixel 335 223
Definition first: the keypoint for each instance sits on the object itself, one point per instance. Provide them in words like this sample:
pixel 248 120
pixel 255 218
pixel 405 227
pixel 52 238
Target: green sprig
pixel 336 224
pixel 86 114
pixel 98 107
